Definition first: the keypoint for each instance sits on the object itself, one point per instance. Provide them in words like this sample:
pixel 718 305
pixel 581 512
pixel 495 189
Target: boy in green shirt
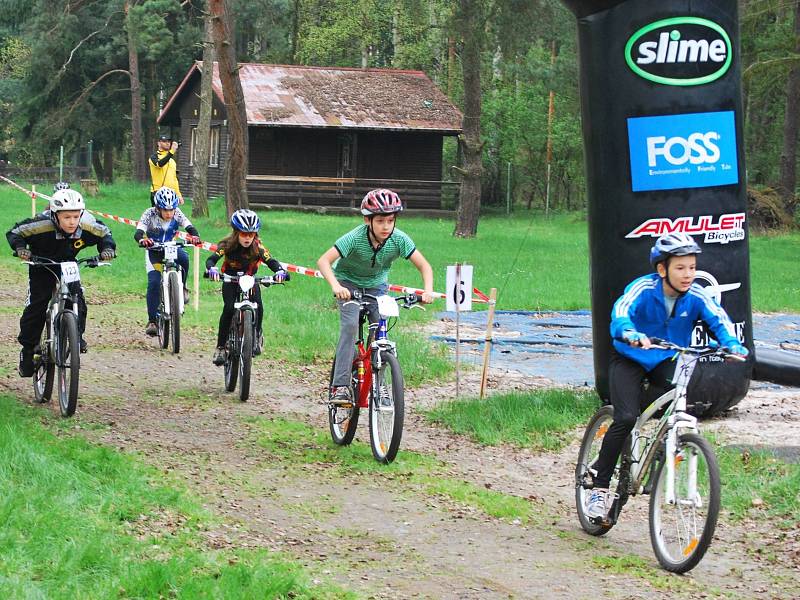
pixel 363 257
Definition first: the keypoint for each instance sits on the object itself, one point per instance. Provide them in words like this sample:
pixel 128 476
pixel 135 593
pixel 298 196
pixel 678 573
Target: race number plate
pixel 170 253
pixel 70 272
pixel 387 307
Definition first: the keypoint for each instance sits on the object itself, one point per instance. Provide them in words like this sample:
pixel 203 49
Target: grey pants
pixel 348 331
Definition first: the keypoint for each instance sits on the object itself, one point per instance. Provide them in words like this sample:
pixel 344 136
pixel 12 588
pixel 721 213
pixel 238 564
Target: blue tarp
pixel 558 345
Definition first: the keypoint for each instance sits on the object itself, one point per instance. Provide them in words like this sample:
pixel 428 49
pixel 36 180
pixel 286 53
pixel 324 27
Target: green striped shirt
pixel 364 266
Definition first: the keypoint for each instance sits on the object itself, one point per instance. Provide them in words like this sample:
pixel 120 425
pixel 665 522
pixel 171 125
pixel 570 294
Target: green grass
pixel 542 419
pixel 83 521
pixel 757 475
pixel 295 443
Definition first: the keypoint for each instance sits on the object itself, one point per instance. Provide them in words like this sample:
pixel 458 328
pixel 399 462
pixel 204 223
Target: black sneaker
pixel 84 346
pixel 341 396
pixel 151 329
pixel 259 345
pixel 219 357
pixel 26 366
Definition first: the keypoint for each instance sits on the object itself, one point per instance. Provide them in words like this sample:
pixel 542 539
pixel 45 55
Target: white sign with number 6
pixel 459 287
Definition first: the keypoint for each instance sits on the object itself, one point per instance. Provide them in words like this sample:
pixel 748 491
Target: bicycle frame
pixel 170 263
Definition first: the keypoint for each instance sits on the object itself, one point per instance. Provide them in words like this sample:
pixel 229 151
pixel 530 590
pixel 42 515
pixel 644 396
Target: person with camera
pixel 164 169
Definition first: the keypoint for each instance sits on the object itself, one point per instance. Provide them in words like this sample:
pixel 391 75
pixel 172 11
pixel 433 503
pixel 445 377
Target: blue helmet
pixel 246 221
pixel 61 185
pixel 673 244
pixel 166 199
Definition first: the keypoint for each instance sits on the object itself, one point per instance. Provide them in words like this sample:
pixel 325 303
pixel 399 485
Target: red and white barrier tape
pixel 479 296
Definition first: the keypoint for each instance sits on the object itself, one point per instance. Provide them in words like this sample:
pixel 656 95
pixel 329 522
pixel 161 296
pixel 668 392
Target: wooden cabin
pixel 324 136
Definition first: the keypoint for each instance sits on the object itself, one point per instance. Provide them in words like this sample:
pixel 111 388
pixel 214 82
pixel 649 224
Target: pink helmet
pixel 381 202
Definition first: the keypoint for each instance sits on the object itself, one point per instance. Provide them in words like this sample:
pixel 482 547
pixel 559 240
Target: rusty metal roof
pixel 300 96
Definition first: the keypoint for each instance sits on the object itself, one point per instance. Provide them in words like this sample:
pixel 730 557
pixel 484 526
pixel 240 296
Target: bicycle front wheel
pixel 386 409
pixel 586 471
pixel 163 322
pixel 232 355
pixel 245 355
pixel 175 288
pixel 343 420
pixel 68 359
pixel 681 532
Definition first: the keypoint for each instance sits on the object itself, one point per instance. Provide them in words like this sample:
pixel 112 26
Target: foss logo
pixel 696 149
pixel 680 51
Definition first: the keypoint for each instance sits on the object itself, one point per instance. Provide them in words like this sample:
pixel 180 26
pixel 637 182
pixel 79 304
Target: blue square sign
pixel 683 151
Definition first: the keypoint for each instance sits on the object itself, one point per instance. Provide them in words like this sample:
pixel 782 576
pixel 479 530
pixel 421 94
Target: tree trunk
pixel 470 26
pixel 99 169
pixel 791 124
pixel 108 162
pixel 295 28
pixel 236 162
pixel 203 135
pixel 137 145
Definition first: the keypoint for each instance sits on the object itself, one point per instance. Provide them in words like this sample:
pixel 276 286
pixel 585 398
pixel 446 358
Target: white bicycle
pixel 665 458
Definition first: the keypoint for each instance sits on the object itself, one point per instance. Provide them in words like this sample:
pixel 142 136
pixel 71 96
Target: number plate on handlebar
pixel 170 253
pixel 70 272
pixel 387 307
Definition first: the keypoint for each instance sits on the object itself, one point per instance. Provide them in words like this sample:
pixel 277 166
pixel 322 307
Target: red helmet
pixel 381 202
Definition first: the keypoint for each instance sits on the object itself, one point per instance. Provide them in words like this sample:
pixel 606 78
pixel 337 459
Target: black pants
pixel 40 288
pixel 230 292
pixel 627 394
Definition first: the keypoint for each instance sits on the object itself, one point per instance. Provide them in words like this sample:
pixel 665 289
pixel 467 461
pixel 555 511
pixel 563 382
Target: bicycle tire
pixel 386 409
pixel 163 321
pixel 175 288
pixel 232 355
pixel 245 356
pixel 587 457
pixel 44 374
pixel 681 545
pixel 343 421
pixel 68 359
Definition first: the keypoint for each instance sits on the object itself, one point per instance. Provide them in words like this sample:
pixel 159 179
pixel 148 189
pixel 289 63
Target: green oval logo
pixel 680 51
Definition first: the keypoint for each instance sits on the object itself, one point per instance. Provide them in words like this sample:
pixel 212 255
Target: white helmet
pixel 66 200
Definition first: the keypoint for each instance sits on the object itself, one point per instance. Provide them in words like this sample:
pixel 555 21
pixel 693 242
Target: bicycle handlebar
pixel 162 245
pixel 265 280
pixel 90 261
pixel 712 348
pixel 404 300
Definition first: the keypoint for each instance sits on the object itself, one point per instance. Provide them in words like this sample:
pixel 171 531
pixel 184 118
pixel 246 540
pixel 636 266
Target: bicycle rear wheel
pixel 232 355
pixel 585 471
pixel 386 409
pixel 68 359
pixel 245 355
pixel 682 532
pixel 343 420
pixel 175 288
pixel 163 321
pixel 45 370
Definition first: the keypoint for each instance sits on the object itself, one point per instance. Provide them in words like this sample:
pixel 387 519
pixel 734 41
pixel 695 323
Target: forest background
pixel 68 69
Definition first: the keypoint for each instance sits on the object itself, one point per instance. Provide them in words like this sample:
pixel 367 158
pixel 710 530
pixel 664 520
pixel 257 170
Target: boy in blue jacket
pixel 664 304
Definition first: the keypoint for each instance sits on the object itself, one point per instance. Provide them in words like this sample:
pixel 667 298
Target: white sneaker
pixel 596 507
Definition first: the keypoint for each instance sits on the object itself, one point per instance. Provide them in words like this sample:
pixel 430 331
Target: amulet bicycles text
pixel 59 348
pixel 666 458
pixel 376 380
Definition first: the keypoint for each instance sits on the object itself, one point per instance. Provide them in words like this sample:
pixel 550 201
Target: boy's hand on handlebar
pixel 427 297
pixel 146 243
pixel 108 254
pixel 341 292
pixel 24 254
pixel 213 274
pixel 195 240
pixel 738 350
pixel 637 339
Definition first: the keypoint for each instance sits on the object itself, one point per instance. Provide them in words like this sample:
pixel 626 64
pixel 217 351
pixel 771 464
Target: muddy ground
pixel 375 534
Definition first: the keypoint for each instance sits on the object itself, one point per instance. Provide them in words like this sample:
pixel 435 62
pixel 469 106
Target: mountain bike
pixel 242 333
pixel 59 347
pixel 376 380
pixel 666 457
pixel 171 305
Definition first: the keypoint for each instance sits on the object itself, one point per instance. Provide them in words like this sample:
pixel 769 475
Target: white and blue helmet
pixel 246 221
pixel 673 244
pixel 166 199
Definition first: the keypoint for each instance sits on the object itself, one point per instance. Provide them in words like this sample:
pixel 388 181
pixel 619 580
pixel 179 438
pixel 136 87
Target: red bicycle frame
pixel 363 363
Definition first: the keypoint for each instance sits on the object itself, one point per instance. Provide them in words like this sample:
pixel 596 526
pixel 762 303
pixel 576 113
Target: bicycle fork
pixel 673 458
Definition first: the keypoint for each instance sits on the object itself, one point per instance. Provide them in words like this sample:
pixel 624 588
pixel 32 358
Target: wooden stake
pixel 458 331
pixel 487 346
pixel 196 297
pixel 33 201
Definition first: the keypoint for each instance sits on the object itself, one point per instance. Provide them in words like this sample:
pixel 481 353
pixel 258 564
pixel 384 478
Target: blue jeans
pixel 154 285
pixel 348 331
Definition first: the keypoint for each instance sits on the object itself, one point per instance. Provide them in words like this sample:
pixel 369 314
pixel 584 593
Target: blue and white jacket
pixel 641 307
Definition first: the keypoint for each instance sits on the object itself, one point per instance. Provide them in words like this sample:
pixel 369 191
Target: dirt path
pixel 378 534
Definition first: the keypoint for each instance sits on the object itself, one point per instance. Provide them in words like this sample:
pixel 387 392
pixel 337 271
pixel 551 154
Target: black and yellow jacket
pixel 41 237
pixel 238 261
pixel 164 171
